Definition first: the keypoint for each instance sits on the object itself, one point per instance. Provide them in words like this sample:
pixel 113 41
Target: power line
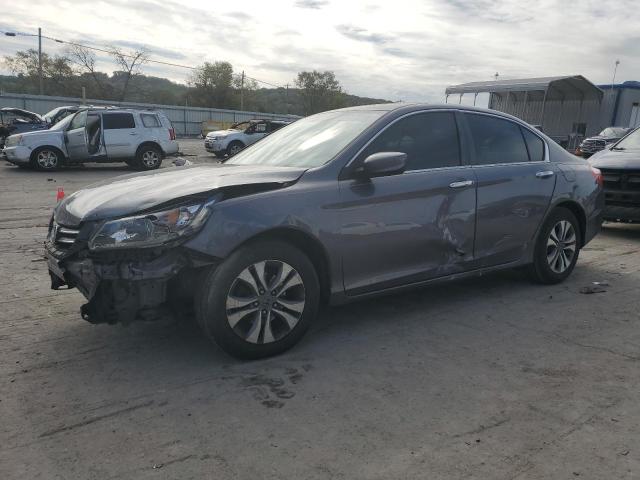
pixel 103 50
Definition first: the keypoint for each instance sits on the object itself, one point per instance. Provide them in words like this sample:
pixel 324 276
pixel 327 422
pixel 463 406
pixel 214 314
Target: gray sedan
pixel 336 207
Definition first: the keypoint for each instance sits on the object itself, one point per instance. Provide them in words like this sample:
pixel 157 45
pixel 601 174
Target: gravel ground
pixel 493 378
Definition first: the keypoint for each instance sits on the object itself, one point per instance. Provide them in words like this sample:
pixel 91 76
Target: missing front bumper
pixel 125 290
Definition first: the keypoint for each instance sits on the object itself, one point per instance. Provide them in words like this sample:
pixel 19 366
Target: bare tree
pixel 130 64
pixel 86 60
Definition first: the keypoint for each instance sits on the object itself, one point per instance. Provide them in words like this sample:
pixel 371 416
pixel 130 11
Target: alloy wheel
pixel 234 149
pixel 47 159
pixel 561 246
pixel 150 158
pixel 265 302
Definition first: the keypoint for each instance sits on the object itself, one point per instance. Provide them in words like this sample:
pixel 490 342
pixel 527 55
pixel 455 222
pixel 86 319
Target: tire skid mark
pixel 89 421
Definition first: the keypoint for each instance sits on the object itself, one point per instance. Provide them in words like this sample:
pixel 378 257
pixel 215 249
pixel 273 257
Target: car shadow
pixel 623 231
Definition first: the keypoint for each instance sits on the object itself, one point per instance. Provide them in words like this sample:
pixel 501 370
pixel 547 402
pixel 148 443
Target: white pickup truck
pixel 240 135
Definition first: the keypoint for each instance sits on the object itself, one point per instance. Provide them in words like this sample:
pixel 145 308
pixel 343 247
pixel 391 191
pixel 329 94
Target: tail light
pixel 597 174
pixel 172 134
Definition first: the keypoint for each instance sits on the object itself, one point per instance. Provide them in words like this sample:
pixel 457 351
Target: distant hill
pixel 150 89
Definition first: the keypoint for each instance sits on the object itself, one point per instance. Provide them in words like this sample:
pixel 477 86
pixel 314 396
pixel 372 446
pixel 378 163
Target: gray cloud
pixel 313 4
pixel 356 33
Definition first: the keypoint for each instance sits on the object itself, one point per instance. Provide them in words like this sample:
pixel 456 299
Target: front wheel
pixel 234 147
pixel 557 247
pixel 260 301
pixel 46 158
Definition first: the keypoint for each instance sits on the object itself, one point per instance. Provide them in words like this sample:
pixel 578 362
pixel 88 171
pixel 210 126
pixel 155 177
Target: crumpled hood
pixel 222 133
pixel 129 194
pixel 616 159
pixel 32 116
pixel 601 137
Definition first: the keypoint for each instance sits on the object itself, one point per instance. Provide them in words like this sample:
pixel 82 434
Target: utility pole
pixel 242 91
pixel 40 60
pixel 615 69
pixel 286 98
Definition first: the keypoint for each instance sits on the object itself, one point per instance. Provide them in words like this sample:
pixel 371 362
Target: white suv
pixel 141 138
pixel 241 135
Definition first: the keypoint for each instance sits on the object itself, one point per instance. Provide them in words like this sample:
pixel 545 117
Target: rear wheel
pixel 46 158
pixel 260 301
pixel 149 157
pixel 557 247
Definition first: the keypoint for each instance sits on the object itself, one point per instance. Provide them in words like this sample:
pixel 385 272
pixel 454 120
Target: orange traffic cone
pixel 60 194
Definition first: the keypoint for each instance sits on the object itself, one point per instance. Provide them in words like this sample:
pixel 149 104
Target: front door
pixel 76 137
pixel 121 137
pixel 515 185
pixel 413 226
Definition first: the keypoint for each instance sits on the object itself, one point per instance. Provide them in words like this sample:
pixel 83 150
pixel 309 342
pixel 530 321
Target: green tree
pixel 57 72
pixel 319 91
pixel 213 85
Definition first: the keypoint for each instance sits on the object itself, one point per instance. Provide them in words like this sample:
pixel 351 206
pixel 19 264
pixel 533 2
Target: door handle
pixel 462 184
pixel 545 174
pixel 133 133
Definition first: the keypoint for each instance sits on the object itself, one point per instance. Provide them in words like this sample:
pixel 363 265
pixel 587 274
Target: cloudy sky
pixel 398 50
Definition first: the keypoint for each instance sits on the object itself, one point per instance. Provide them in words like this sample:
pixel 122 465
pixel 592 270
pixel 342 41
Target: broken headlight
pixel 151 229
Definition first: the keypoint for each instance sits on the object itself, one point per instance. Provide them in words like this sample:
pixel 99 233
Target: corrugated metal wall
pixel 559 116
pixel 186 120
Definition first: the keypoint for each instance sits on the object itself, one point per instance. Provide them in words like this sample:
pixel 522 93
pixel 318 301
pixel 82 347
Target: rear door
pixel 515 186
pixel 121 135
pixel 413 226
pixel 76 137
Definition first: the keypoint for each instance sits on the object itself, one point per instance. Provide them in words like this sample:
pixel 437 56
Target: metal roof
pixel 568 87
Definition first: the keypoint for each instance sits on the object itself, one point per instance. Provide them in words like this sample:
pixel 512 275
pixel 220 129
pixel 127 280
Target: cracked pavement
pixel 490 378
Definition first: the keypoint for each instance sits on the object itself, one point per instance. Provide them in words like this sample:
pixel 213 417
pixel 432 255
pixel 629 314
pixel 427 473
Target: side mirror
pixel 382 164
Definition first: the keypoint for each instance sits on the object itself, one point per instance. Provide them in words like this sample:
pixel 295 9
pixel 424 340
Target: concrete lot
pixel 493 378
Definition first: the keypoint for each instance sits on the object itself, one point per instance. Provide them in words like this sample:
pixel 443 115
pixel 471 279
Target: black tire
pixel 550 265
pixel 46 159
pixel 234 147
pixel 212 301
pixel 148 157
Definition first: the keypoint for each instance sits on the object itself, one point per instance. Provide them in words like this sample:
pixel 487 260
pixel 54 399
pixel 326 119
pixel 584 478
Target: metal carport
pixel 566 107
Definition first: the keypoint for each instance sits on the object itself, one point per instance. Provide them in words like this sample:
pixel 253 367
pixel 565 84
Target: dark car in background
pixel 17 120
pixel 620 166
pixel 335 207
pixel 594 144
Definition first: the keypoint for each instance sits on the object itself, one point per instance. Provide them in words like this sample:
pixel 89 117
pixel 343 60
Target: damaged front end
pixel 121 280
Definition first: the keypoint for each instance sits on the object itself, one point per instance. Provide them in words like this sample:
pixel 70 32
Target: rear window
pixel 534 145
pixel 496 140
pixel 115 121
pixel 150 121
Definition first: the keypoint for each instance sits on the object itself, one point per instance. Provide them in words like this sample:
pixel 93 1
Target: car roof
pixel 406 107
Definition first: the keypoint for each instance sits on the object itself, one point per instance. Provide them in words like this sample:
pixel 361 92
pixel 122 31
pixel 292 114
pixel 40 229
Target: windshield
pixel 62 124
pixel 309 142
pixel 613 132
pixel 630 142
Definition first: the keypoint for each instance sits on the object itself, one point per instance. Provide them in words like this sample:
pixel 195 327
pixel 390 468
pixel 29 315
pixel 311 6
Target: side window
pixel 534 144
pixel 79 121
pixel 261 127
pixel 496 140
pixel 149 120
pixel 430 140
pixel 115 121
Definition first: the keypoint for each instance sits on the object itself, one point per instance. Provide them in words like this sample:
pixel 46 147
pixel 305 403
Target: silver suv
pixel 240 135
pixel 141 138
